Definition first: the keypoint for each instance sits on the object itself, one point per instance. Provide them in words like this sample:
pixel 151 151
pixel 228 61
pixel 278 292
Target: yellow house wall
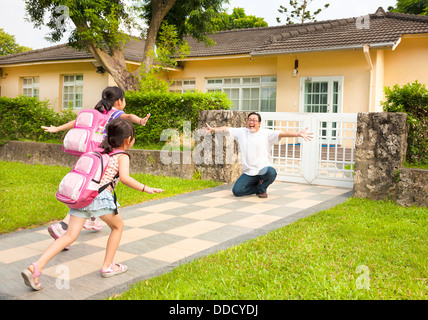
pixel 351 65
pixel 408 62
pixel 51 79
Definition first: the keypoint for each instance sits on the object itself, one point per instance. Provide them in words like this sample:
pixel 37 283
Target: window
pixel 72 91
pixel 182 85
pixel 323 95
pixel 30 87
pixel 247 93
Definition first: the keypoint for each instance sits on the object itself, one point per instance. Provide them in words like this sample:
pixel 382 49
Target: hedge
pixel 22 117
pixel 412 99
pixel 170 110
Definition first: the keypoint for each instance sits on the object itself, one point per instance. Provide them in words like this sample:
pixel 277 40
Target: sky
pixel 12 14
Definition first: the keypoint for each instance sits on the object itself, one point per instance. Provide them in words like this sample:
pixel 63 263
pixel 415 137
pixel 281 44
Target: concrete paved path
pixel 158 236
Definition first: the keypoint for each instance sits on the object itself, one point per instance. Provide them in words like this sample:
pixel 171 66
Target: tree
pixel 419 7
pixel 237 20
pixel 8 44
pixel 300 12
pixel 97 26
pixel 190 17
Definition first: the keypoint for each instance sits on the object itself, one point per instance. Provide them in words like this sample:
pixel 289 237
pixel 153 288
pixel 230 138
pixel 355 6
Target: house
pixel 61 74
pixel 335 66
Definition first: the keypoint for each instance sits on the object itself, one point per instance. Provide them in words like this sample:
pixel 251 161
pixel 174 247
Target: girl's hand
pixel 144 121
pixel 51 129
pixel 152 190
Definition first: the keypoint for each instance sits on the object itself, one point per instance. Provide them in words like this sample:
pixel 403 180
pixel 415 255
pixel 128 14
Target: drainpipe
pixel 366 50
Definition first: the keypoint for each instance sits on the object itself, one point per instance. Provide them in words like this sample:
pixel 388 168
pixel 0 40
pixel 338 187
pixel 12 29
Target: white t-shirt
pixel 255 148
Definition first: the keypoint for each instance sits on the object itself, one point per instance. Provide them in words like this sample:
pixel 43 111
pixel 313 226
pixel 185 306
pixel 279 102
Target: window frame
pixel 247 91
pixel 75 84
pixel 34 86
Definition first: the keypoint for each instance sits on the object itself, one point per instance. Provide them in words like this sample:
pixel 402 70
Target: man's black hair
pixel 258 115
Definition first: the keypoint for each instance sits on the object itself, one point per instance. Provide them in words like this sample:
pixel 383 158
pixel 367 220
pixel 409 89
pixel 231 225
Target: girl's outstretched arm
pixel 65 126
pixel 127 180
pixel 135 119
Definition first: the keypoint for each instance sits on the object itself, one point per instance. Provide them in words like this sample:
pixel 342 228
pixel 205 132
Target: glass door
pixel 322 95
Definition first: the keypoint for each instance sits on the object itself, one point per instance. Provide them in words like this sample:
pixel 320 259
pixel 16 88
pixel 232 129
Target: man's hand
pixel 207 129
pixel 307 136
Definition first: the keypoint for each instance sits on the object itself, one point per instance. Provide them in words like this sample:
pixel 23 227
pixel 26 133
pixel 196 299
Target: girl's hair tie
pixel 105 111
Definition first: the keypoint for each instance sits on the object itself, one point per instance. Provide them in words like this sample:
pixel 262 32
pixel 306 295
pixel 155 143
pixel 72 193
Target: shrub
pixel 22 118
pixel 412 99
pixel 170 110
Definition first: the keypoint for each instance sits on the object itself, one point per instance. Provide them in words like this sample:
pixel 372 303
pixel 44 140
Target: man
pixel 255 145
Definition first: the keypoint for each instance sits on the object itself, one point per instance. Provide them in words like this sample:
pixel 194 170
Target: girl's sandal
pixel 29 277
pixel 109 272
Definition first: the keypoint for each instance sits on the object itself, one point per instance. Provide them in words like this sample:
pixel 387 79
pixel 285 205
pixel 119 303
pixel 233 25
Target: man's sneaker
pixel 92 225
pixel 56 231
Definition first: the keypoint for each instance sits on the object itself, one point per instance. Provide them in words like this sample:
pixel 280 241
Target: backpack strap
pixel 101 189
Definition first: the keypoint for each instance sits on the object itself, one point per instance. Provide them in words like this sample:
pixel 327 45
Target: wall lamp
pixel 2 75
pixel 296 67
pixel 100 70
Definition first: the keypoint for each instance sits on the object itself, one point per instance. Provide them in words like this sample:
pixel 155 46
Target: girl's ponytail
pixel 108 98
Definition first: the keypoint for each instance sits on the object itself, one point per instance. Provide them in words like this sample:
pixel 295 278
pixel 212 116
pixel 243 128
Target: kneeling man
pixel 255 145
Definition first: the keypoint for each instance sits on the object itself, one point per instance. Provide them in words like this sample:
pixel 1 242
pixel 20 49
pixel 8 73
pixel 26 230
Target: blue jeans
pixel 246 185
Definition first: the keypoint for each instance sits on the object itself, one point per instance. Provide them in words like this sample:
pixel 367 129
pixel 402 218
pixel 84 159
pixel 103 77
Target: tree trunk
pixel 115 65
pixel 159 10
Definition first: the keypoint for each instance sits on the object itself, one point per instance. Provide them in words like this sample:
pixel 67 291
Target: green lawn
pixel 360 249
pixel 27 193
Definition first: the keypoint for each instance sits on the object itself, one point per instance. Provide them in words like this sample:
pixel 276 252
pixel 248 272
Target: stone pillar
pixel 220 154
pixel 380 150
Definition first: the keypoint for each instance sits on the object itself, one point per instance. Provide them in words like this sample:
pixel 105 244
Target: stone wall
pixel 223 163
pixel 380 151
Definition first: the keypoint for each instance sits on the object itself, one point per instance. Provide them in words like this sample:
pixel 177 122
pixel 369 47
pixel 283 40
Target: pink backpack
pixel 88 131
pixel 82 184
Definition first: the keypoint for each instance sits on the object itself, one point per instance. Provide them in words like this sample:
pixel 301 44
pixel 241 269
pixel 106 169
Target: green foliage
pixel 22 118
pixel 412 99
pixel 96 22
pixel 237 20
pixel 8 44
pixel 169 110
pixel 419 7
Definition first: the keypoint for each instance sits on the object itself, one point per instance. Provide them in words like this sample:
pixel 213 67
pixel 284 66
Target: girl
pixel 120 135
pixel 111 98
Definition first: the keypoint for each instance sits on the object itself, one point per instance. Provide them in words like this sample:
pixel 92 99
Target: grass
pixel 27 193
pixel 318 257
